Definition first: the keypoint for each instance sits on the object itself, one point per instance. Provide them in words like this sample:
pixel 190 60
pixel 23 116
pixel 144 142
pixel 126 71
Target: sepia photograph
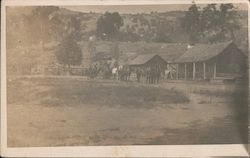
pixel 111 75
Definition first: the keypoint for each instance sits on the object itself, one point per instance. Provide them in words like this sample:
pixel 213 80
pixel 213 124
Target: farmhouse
pixel 211 61
pixel 197 62
pixel 163 53
pixel 147 67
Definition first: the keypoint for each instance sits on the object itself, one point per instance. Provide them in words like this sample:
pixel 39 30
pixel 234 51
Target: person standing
pixel 138 74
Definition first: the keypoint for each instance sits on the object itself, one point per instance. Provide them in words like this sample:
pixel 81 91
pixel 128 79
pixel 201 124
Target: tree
pixel 75 28
pixel 212 23
pixel 69 53
pixel 228 19
pixel 41 22
pixel 219 24
pixel 209 17
pixel 163 30
pixel 108 26
pixel 209 21
pixel 191 23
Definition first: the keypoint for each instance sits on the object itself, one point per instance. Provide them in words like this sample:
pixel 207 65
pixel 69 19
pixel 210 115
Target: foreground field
pixel 65 111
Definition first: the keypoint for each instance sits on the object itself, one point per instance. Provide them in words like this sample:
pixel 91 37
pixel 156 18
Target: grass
pixel 233 91
pixel 70 111
pixel 210 133
pixel 53 92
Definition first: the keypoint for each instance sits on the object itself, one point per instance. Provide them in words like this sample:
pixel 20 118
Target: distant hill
pixel 137 27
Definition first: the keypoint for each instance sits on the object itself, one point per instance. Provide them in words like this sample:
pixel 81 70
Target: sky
pixel 138 8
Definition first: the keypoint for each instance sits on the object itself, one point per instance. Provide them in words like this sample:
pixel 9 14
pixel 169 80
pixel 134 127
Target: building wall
pixel 156 61
pixel 231 61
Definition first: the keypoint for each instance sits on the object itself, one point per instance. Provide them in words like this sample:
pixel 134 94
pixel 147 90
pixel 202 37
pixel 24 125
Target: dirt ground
pixel 72 111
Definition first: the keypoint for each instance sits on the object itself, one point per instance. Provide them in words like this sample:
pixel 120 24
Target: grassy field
pixel 65 111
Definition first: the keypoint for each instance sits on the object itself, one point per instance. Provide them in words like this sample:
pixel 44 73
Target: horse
pixel 106 71
pixel 123 73
pixel 153 74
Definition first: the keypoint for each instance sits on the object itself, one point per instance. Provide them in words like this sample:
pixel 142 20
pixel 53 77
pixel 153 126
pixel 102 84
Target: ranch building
pixel 212 61
pixel 148 60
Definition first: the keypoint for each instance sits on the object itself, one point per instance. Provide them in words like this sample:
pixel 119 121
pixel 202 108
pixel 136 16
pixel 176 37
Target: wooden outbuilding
pixel 148 60
pixel 147 68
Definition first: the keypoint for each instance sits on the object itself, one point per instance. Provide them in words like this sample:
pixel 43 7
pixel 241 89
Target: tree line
pixel 212 23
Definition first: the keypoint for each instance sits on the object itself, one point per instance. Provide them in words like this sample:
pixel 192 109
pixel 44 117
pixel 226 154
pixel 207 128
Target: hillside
pixel 137 27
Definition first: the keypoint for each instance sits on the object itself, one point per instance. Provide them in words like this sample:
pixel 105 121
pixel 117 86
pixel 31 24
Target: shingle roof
pixel 203 52
pixel 141 59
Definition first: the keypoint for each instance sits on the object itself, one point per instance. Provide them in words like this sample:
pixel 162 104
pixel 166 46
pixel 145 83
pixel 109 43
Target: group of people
pixel 121 73
pixel 148 74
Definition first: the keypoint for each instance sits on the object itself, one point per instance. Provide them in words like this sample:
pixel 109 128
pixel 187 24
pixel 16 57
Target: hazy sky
pixel 137 8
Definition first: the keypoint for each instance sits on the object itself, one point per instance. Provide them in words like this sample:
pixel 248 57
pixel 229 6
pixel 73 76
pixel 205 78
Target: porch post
pixel 185 71
pixel 204 70
pixel 177 71
pixel 214 70
pixel 193 71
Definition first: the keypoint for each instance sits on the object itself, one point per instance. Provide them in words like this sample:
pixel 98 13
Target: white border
pixel 112 2
pixel 104 151
pixel 131 151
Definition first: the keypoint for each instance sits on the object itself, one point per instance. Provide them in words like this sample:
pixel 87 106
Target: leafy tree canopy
pixel 69 52
pixel 108 26
pixel 212 23
pixel 191 23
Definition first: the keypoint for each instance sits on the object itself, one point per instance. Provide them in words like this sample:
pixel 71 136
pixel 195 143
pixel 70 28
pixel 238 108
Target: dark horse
pixel 124 73
pixel 153 75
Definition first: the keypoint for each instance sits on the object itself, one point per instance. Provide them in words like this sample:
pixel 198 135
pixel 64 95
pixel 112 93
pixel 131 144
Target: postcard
pixel 124 78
